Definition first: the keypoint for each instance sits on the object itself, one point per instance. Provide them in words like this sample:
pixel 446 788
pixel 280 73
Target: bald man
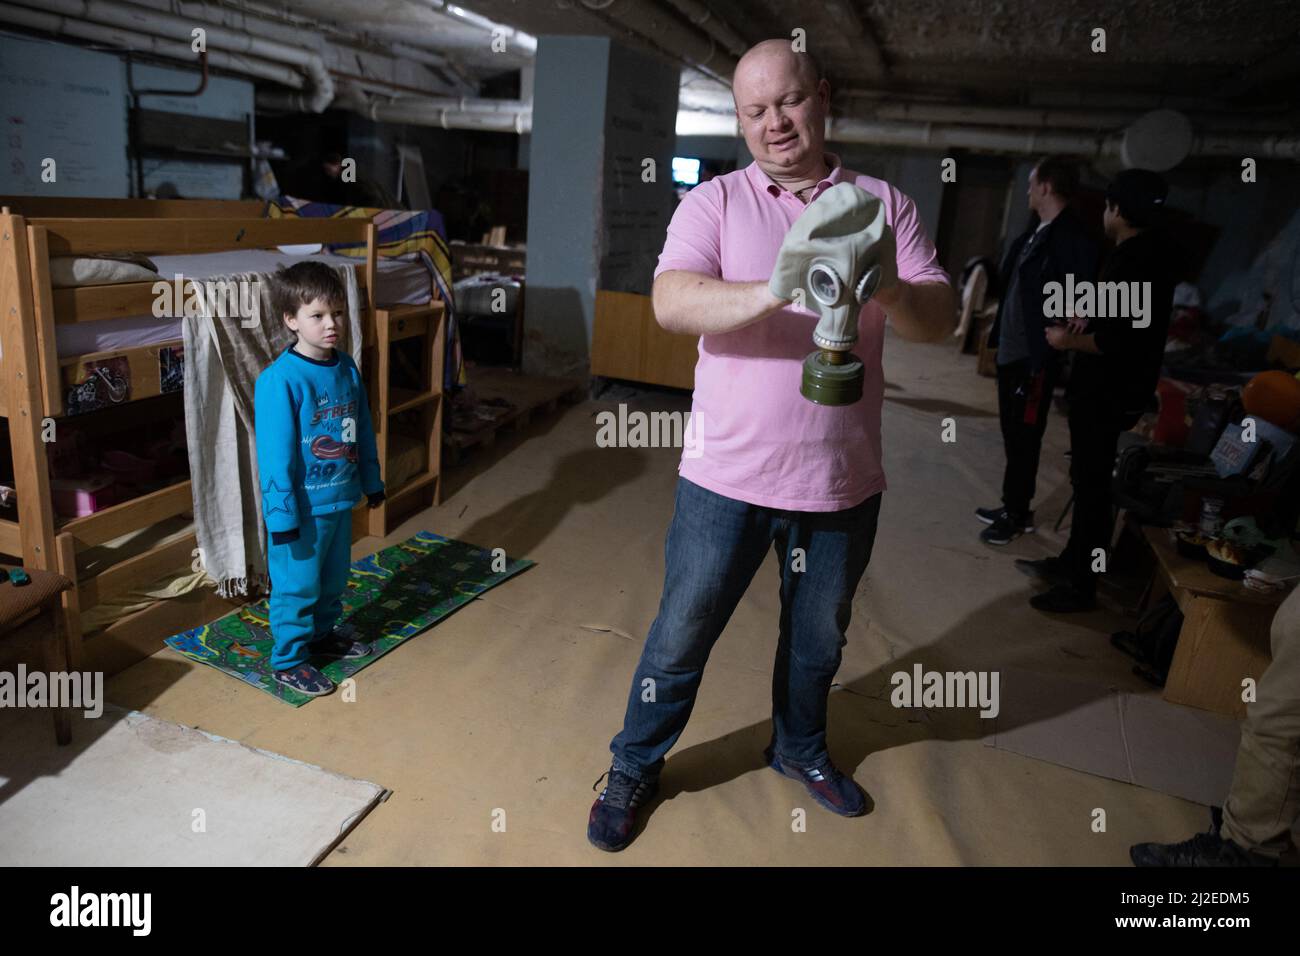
pixel 771 470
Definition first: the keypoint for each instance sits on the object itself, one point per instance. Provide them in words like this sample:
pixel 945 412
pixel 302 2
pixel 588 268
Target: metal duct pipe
pixel 704 18
pixel 1051 118
pixel 932 136
pixel 58 25
pixel 502 116
pixel 654 23
pixel 156 23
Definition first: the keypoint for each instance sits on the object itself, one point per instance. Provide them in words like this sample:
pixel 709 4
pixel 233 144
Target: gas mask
pixel 835 257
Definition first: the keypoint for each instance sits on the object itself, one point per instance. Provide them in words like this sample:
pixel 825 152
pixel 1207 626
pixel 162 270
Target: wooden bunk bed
pixel 34 372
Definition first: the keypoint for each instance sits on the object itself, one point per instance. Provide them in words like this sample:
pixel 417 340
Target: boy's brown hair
pixel 303 283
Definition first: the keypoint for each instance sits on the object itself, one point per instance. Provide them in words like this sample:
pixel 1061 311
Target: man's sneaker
pixel 613 815
pixel 834 791
pixel 1006 528
pixel 339 646
pixel 1204 849
pixel 305 679
pixel 1051 570
pixel 990 515
pixel 1063 599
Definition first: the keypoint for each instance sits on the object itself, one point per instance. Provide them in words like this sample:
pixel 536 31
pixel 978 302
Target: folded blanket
pixel 223 357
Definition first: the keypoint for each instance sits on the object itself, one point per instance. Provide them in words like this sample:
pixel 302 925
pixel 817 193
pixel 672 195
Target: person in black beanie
pixel 1111 382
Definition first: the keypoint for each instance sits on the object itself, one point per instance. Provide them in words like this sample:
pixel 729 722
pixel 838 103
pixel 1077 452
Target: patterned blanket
pixel 415 236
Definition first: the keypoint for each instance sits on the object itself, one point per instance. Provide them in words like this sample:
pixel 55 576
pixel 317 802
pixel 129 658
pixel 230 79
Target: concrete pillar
pixel 600 111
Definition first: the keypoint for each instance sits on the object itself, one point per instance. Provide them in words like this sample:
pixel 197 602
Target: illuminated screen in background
pixel 686 171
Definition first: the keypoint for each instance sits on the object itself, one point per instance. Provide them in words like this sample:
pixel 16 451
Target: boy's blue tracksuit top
pixel 305 459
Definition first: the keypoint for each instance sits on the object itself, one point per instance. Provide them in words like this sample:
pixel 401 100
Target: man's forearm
pixel 691 303
pixel 920 312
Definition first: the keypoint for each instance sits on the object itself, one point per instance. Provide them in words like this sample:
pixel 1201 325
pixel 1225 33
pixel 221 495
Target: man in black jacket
pixel 1028 368
pixel 1112 380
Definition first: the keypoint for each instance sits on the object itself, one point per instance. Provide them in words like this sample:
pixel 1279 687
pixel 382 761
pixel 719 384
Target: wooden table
pixel 1224 637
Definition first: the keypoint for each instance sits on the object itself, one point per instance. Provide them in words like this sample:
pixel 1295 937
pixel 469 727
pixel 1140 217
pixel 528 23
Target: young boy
pixel 316 456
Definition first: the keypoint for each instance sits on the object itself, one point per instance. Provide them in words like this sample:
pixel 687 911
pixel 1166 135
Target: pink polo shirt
pixel 755 437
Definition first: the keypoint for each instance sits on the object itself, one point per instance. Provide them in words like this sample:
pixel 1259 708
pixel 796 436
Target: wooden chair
pixel 20 606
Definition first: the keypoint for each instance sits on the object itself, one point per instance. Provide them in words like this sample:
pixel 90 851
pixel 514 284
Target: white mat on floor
pixel 1138 738
pixel 126 790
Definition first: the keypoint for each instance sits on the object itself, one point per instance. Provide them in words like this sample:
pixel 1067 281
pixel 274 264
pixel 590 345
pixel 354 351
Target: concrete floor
pixel 491 728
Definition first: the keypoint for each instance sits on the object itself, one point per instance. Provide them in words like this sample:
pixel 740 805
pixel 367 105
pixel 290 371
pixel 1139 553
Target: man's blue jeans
pixel 715 545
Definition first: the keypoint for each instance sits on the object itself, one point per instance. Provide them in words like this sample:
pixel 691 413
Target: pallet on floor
pixel 529 394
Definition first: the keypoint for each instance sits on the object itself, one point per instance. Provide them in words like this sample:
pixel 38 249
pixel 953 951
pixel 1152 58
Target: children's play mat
pixel 391 595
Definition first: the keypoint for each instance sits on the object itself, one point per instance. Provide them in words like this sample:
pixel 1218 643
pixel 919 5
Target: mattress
pixel 396 281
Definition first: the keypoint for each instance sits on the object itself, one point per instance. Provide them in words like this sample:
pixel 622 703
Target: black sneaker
pixel 990 515
pixel 305 679
pixel 613 815
pixel 1063 599
pixel 1204 849
pixel 1051 570
pixel 1006 529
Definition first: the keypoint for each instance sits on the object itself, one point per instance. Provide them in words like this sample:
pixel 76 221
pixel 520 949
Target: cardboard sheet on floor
pixel 1137 738
pixel 391 595
pixel 132 790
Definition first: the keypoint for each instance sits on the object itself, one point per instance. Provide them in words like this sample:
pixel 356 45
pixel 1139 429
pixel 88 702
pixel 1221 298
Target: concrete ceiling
pixel 1004 51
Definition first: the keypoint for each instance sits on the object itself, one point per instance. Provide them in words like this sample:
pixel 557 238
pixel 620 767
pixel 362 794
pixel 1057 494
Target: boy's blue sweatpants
pixel 307 581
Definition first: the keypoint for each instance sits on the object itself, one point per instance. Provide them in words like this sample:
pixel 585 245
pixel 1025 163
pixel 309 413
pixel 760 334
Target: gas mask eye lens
pixel 824 284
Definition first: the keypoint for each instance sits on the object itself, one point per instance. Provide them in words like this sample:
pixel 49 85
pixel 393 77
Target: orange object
pixel 1275 397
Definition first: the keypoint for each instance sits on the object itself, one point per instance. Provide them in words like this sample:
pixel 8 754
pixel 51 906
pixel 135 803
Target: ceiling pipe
pixel 662 28
pixel 705 19
pixel 1049 118
pixel 294 30
pixel 870 53
pixel 940 136
pixel 58 25
pixel 144 20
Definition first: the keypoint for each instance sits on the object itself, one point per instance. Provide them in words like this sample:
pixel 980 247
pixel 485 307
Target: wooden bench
pixel 1224 638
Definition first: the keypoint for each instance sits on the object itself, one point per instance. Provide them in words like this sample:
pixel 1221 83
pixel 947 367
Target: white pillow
pixel 66 271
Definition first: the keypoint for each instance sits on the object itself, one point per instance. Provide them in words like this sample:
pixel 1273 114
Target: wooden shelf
pixel 409 323
pixel 403 399
pixel 419 481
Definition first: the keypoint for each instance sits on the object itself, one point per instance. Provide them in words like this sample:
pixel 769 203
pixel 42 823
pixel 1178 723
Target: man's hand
pixel 1059 336
pixel 845 227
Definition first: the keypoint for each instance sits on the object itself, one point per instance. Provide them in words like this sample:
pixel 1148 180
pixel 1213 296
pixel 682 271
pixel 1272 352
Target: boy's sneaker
pixel 834 791
pixel 305 679
pixel 613 815
pixel 340 646
pixel 1006 528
